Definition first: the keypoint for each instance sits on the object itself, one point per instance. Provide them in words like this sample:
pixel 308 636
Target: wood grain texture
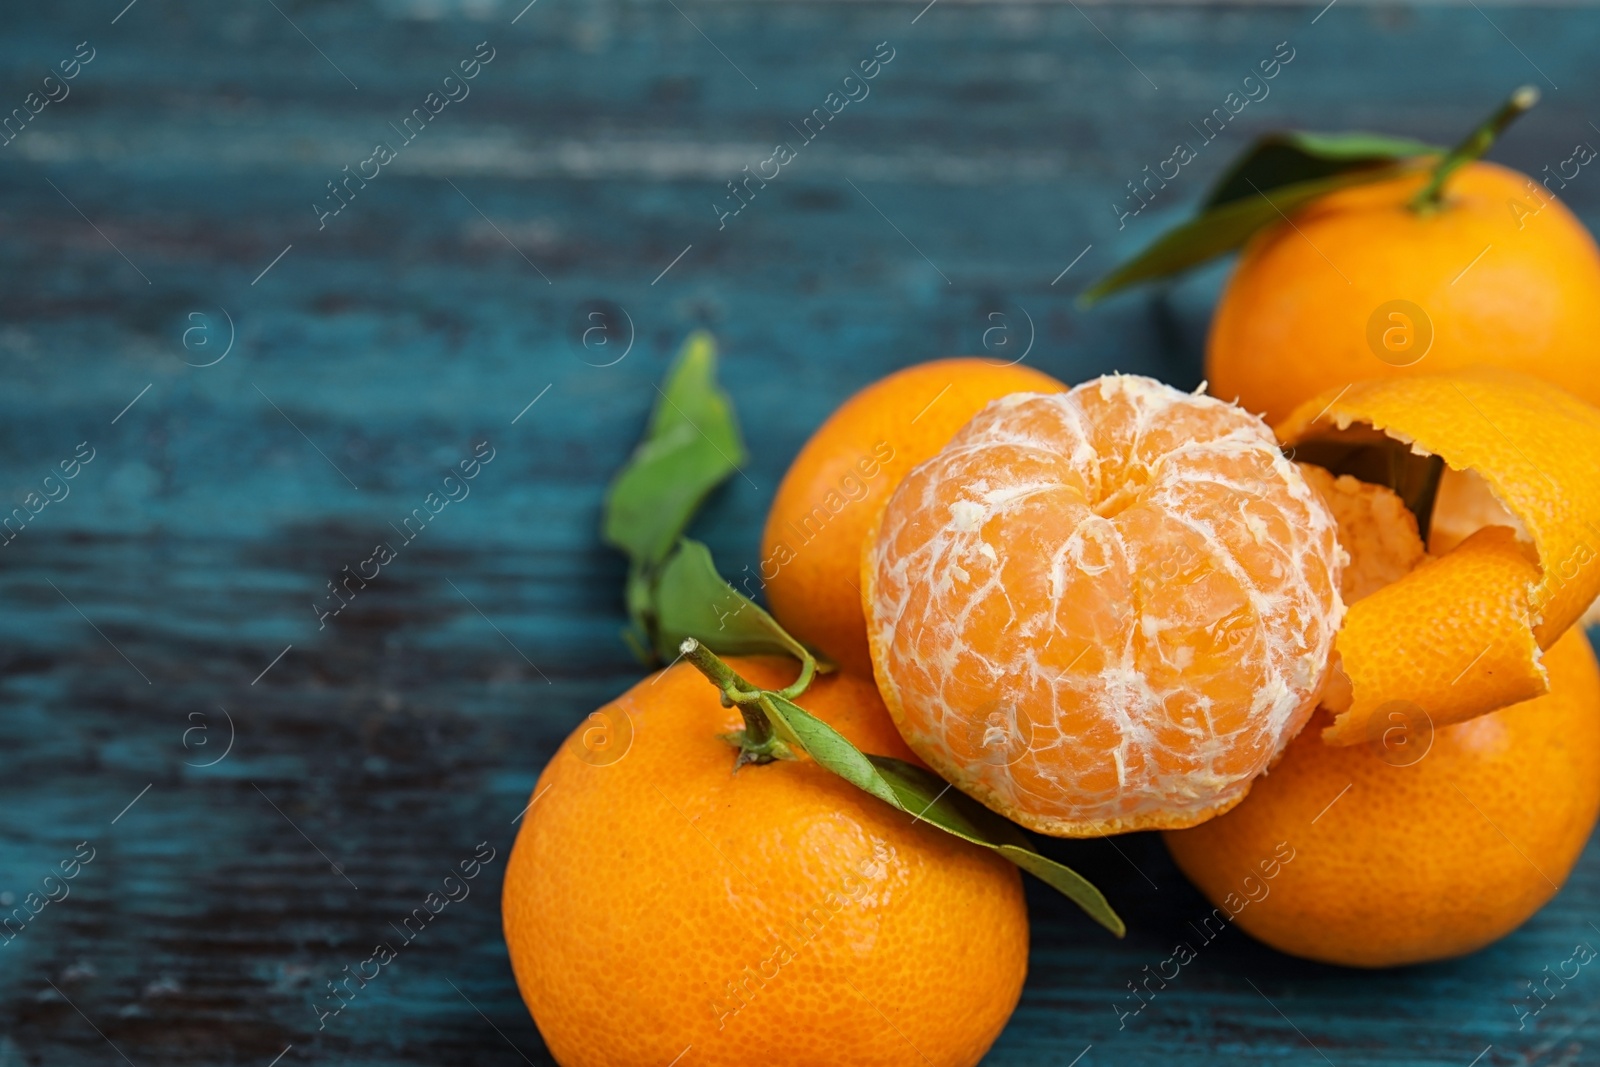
pixel 452 291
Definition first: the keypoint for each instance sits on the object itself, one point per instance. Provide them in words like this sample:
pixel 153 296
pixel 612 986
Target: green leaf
pixel 1292 156
pixel 928 798
pixel 692 600
pixel 691 445
pixel 1224 228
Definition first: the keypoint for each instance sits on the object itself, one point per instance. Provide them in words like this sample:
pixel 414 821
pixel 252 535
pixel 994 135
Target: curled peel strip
pixel 1462 634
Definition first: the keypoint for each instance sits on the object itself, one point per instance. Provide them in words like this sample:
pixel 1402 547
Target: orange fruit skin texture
pixel 811 548
pixel 1103 610
pixel 1461 635
pixel 1419 862
pixel 776 915
pixel 1293 321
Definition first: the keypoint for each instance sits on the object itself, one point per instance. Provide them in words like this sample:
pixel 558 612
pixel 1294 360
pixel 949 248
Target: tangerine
pixel 662 908
pixel 1461 633
pixel 811 547
pixel 1359 284
pixel 1423 844
pixel 1103 610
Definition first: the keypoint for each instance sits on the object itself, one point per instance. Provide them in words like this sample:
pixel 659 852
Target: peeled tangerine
pixel 1103 610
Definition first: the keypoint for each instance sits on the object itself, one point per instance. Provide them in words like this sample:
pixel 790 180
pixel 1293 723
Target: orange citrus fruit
pixel 1103 610
pixel 1461 634
pixel 811 548
pixel 1359 285
pixel 1415 840
pixel 1423 844
pixel 659 904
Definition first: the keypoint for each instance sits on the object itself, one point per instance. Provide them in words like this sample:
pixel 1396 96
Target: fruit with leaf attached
pixel 659 900
pixel 1366 256
pixel 811 548
pixel 1362 284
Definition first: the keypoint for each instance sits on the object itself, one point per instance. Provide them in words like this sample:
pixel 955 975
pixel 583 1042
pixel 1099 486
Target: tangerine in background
pixel 1428 846
pixel 1361 286
pixel 811 548
pixel 656 899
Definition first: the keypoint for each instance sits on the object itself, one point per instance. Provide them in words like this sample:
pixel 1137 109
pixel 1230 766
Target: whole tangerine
pixel 811 547
pixel 1360 284
pixel 1420 845
pixel 661 905
pixel 1103 610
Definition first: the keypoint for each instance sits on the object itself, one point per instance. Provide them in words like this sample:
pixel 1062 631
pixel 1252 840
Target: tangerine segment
pixel 1376 530
pixel 1536 448
pixel 1103 610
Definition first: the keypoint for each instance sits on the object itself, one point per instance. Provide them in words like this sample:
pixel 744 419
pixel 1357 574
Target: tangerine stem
pixel 1474 145
pixel 808 671
pixel 735 691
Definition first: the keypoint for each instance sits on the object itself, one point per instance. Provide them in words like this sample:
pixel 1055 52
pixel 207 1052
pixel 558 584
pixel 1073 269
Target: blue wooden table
pixel 273 342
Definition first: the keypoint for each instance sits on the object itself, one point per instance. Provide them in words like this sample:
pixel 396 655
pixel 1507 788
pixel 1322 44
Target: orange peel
pixel 1462 634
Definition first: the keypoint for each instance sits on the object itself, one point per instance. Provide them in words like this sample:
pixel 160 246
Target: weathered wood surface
pixel 379 350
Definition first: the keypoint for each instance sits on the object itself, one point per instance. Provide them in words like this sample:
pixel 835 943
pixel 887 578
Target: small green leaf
pixel 1069 883
pixel 1224 228
pixel 1292 156
pixel 691 445
pixel 692 600
pixel 827 746
pixel 930 799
